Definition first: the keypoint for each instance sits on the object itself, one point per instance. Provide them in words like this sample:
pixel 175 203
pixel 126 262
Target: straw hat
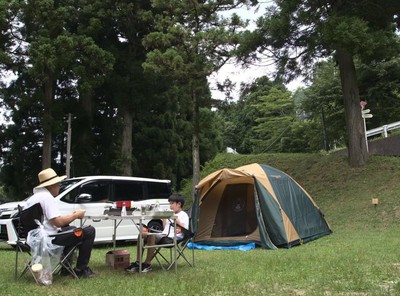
pixel 49 177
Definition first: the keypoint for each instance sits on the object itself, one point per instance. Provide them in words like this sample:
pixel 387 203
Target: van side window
pixel 128 190
pixel 70 196
pixel 158 190
pixel 99 190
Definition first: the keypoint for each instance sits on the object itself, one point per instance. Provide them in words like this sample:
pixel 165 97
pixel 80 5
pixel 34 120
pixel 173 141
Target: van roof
pixel 100 177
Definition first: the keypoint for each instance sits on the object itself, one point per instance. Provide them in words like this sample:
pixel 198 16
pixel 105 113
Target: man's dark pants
pixel 69 240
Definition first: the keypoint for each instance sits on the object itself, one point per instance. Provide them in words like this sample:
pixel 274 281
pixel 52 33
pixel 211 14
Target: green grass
pixel 360 257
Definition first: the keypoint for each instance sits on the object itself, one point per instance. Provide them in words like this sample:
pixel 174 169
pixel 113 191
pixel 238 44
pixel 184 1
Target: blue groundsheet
pixel 245 247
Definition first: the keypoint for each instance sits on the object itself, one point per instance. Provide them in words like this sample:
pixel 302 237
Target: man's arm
pixel 62 221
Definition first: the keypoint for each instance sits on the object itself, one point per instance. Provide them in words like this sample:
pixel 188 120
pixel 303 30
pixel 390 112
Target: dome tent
pixel 255 203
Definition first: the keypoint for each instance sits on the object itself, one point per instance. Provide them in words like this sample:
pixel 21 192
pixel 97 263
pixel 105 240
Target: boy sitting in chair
pixel 176 203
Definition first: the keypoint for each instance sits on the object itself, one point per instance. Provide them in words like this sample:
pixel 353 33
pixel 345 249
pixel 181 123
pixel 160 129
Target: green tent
pixel 255 203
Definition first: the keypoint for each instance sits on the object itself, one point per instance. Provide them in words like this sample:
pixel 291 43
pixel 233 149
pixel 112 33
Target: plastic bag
pixel 44 254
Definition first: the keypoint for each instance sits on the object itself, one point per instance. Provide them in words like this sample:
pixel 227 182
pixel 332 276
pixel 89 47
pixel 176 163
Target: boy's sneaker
pixel 146 267
pixel 133 267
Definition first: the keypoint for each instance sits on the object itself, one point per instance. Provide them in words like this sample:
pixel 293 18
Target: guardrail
pixel 383 129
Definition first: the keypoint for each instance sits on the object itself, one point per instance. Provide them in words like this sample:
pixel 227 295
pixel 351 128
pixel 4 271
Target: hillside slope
pixel 344 194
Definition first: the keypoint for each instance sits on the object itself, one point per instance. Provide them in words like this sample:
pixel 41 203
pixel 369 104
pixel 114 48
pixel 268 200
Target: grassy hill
pixel 360 257
pixel 343 193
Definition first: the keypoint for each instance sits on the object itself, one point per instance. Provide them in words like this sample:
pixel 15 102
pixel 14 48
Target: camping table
pixel 137 219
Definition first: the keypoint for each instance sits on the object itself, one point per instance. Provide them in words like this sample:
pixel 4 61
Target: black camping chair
pixel 182 245
pixel 25 222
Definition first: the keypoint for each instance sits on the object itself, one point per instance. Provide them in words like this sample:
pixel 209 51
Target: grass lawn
pixel 360 257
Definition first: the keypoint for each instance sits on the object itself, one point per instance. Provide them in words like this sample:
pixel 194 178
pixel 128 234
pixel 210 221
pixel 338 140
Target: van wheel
pixel 155 225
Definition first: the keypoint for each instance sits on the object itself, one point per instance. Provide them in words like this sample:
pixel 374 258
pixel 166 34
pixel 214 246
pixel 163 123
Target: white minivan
pixel 97 195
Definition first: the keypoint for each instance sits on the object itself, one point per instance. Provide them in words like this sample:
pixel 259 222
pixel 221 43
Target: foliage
pixel 189 42
pixel 127 88
pixel 20 138
pixel 322 103
pixel 106 61
pixel 90 39
pixel 380 88
pixel 54 66
pixel 241 116
pixel 3 197
pixel 296 34
pixel 267 118
pixel 276 112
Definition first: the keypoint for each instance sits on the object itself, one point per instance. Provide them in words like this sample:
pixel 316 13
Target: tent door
pixel 236 215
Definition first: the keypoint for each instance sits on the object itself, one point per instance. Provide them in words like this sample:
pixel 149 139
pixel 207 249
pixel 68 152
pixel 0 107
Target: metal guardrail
pixel 383 129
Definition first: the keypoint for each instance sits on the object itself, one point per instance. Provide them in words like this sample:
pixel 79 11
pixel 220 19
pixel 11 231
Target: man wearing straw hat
pixel 53 222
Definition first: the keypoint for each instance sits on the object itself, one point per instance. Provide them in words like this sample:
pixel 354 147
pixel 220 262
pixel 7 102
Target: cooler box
pixel 118 259
pixel 119 204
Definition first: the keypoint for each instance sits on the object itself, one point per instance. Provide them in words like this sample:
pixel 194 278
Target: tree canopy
pixel 298 33
pixel 133 77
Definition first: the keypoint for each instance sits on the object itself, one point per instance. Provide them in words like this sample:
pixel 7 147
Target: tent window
pixel 236 215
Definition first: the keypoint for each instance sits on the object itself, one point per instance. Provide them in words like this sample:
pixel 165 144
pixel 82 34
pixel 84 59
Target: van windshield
pixel 68 183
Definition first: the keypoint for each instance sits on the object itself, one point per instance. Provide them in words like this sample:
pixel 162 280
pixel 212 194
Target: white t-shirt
pixel 169 227
pixel 49 207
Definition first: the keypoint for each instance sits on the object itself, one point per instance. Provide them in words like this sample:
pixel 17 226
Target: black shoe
pixel 133 267
pixel 146 267
pixel 64 272
pixel 84 273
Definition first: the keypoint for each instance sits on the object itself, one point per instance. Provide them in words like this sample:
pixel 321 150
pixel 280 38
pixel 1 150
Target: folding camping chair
pixel 182 244
pixel 25 222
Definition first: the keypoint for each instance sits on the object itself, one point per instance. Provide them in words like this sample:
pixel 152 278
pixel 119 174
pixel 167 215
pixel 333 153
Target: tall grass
pixel 360 257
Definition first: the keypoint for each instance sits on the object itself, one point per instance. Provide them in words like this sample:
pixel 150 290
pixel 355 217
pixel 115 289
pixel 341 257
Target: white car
pixel 97 195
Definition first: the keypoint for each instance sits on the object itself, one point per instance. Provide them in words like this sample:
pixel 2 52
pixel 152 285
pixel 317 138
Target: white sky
pixel 7 77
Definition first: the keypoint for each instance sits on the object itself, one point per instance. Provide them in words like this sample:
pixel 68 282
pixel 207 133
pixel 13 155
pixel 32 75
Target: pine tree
pixel 190 41
pixel 299 33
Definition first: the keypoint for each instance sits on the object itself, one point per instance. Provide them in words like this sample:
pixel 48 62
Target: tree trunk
pixel 126 143
pixel 83 143
pixel 324 129
pixel 357 150
pixel 195 142
pixel 48 94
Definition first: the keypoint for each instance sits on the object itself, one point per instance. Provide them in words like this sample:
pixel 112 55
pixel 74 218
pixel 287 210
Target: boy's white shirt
pixel 183 221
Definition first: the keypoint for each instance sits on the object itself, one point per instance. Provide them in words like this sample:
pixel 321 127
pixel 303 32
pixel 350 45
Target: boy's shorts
pixel 161 239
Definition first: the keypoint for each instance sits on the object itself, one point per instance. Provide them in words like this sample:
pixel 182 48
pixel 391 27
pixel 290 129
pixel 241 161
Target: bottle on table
pixel 123 210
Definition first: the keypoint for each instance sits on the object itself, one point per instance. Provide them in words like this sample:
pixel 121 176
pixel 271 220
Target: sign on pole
pixel 365 114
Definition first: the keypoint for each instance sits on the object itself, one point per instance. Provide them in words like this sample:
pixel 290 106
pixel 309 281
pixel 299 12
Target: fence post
pixel 385 130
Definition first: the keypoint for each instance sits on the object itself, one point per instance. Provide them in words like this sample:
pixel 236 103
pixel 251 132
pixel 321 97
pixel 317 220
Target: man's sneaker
pixel 133 267
pixel 64 272
pixel 146 267
pixel 84 273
